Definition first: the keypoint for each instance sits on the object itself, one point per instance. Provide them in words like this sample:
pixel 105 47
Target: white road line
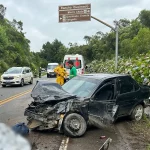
pixel 64 143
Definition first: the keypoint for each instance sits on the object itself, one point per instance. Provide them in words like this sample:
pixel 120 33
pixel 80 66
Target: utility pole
pixel 116 30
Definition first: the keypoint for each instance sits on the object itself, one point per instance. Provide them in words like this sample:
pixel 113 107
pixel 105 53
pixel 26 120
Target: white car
pixel 17 76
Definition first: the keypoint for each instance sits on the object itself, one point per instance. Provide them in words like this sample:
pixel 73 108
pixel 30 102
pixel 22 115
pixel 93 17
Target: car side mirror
pixel 24 72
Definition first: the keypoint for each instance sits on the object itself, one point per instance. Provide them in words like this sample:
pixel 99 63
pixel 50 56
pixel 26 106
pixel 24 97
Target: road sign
pixel 72 13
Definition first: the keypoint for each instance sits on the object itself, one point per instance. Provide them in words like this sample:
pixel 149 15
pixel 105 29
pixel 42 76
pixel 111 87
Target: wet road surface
pixel 13 112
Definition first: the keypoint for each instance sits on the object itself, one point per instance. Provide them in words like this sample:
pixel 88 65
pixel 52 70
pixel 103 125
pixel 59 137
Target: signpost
pixel 72 13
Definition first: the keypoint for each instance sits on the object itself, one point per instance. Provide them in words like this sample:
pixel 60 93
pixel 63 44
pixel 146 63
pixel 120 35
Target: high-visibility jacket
pixel 60 73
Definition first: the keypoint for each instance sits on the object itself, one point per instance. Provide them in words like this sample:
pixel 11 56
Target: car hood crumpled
pixel 45 91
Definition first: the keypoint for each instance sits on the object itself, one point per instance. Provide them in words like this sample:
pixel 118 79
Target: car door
pixel 102 107
pixel 25 75
pixel 28 74
pixel 128 95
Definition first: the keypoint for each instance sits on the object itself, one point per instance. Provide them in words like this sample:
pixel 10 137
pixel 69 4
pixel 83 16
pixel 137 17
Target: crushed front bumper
pixel 41 122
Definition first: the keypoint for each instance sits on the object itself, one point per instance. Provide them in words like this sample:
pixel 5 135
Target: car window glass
pixel 14 70
pixel 80 86
pixel 136 86
pixel 27 71
pixel 77 64
pixel 24 70
pixel 51 67
pixel 126 85
pixel 105 93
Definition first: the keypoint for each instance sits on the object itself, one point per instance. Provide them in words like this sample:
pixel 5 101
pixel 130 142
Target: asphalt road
pixel 12 112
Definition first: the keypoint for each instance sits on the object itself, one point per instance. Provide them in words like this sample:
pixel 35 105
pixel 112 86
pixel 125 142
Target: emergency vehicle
pixel 78 61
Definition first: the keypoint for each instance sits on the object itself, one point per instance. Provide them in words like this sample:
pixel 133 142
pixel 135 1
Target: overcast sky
pixel 40 18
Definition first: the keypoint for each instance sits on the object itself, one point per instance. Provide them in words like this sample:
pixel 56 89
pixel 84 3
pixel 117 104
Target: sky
pixel 40 18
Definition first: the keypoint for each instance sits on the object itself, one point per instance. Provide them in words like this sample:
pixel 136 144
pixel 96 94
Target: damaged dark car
pixel 91 99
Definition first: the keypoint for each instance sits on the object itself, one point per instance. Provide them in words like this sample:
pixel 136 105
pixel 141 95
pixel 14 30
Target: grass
pixel 148 147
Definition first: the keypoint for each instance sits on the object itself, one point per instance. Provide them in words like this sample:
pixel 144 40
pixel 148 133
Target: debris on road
pixel 106 144
pixel 102 137
pixel 21 129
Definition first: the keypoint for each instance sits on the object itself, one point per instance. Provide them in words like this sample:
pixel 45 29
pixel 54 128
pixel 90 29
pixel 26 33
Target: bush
pixel 138 67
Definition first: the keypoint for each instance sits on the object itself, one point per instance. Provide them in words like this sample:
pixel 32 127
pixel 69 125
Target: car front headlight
pixel 17 77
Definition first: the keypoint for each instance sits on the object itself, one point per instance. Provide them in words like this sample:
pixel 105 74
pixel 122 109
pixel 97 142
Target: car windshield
pixel 51 66
pixel 16 70
pixel 77 64
pixel 81 87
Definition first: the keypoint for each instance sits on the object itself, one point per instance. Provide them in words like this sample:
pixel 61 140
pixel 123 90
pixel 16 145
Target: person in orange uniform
pixel 60 73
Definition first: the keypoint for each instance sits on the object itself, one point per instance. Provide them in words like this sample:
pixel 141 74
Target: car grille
pixel 8 78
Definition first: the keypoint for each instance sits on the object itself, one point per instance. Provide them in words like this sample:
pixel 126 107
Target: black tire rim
pixel 74 124
pixel 138 113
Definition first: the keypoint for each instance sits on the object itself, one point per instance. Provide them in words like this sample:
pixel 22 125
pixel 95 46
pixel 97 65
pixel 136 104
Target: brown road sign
pixel 72 13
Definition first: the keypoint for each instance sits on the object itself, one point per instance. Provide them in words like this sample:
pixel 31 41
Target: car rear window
pixel 77 64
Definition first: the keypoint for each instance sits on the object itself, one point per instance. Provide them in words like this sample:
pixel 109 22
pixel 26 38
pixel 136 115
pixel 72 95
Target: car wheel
pixel 3 85
pixel 22 83
pixel 74 125
pixel 31 81
pixel 137 113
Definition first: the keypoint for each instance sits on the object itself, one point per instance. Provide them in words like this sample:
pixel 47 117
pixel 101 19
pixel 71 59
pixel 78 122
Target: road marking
pixel 14 97
pixel 64 143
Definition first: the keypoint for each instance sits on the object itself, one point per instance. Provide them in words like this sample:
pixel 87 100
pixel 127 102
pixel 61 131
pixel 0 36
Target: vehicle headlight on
pixel 114 110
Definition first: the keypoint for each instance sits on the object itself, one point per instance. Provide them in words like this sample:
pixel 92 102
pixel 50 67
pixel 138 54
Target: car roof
pixel 101 76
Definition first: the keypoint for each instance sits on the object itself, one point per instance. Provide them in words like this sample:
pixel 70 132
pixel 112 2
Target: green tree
pixel 144 17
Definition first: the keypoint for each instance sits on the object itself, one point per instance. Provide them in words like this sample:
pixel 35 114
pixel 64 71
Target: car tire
pixel 74 125
pixel 3 85
pixel 137 113
pixel 31 81
pixel 22 83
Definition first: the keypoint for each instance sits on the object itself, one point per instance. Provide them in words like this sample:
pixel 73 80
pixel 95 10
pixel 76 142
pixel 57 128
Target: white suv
pixel 17 76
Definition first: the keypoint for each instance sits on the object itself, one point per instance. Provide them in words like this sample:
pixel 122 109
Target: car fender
pixel 138 103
